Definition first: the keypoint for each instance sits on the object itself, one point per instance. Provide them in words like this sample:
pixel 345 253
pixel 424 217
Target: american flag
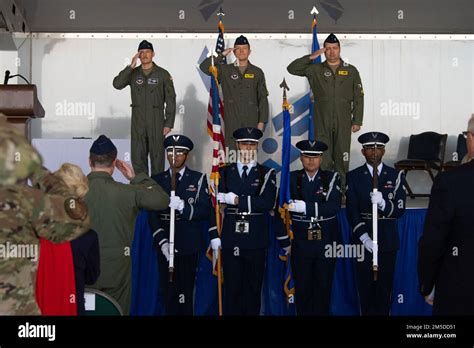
pixel 215 127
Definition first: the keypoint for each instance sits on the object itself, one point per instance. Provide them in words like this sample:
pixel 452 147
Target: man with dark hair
pixel 375 295
pixel 446 248
pixel 339 102
pixel 113 208
pixel 244 90
pixel 153 108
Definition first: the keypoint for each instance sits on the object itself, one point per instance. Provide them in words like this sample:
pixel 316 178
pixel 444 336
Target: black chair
pixel 425 152
pixel 461 151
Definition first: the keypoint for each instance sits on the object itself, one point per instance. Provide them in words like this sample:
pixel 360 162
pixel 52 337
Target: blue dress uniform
pixel 375 296
pixel 192 188
pixel 313 230
pixel 244 230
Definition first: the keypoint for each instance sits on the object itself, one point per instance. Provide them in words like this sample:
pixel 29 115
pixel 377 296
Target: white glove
pixel 221 197
pixel 430 298
pixel 228 198
pixel 367 241
pixel 176 203
pixel 287 249
pixel 376 198
pixel 297 206
pixel 215 244
pixel 165 249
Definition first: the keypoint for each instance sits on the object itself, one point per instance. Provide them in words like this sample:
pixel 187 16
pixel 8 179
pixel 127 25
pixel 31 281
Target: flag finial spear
pixel 285 87
pixel 314 11
pixel 220 13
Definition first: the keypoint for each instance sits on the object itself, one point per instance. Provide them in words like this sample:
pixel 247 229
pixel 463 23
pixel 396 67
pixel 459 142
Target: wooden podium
pixel 20 104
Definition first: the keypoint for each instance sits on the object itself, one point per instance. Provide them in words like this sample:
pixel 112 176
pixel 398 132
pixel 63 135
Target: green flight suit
pixel 338 104
pixel 150 115
pixel 245 96
pixel 113 208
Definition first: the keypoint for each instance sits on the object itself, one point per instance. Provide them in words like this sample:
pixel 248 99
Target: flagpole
pixel 286 213
pixel 220 14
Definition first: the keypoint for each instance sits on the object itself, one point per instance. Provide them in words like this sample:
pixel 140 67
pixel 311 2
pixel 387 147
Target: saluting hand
pixel 133 64
pixel 317 53
pixel 125 168
pixel 227 51
pixel 166 130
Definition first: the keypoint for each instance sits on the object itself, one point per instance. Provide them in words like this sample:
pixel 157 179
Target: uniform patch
pixel 327 73
pixel 152 81
pixel 249 76
pixel 234 76
pixel 343 72
pixel 139 81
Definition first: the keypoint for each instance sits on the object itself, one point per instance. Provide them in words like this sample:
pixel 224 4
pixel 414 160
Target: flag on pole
pixel 220 45
pixel 314 48
pixel 285 195
pixel 216 111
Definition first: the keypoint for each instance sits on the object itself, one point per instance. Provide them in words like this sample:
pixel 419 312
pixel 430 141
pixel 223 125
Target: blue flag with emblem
pixel 314 48
pixel 284 195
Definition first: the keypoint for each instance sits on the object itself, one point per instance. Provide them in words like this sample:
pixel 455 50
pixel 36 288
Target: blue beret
pixel 145 45
pixel 102 146
pixel 311 148
pixel 179 141
pixel 371 139
pixel 331 39
pixel 241 40
pixel 247 134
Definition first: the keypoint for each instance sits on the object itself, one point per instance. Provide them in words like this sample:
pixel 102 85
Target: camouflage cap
pixel 18 158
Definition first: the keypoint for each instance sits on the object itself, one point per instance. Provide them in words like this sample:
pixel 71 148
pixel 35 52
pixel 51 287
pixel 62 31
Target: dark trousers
pixel 375 296
pixel 178 295
pixel 313 276
pixel 243 279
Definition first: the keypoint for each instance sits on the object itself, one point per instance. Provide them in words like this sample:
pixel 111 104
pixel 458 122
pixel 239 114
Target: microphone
pixel 7 77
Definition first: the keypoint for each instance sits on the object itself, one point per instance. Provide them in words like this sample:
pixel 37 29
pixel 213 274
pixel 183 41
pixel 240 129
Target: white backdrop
pixel 410 86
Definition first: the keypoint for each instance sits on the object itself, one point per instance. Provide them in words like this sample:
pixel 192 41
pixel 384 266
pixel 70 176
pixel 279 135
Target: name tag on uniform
pixel 242 224
pixel 343 72
pixel 249 76
pixel 152 81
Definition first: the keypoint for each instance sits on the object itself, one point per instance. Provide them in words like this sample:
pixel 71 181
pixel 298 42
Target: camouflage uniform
pixel 27 214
